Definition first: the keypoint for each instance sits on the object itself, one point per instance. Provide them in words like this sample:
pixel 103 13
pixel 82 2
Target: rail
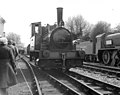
pixel 36 81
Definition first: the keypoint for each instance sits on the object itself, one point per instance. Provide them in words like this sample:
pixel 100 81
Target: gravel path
pixel 21 88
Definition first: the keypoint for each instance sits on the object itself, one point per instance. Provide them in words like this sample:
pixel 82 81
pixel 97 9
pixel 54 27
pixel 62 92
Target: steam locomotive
pixel 52 46
pixel 106 49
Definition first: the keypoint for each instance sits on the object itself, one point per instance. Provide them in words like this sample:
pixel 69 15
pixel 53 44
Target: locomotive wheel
pixel 106 57
pixel 94 59
pixel 87 58
pixel 90 58
pixel 118 64
pixel 114 58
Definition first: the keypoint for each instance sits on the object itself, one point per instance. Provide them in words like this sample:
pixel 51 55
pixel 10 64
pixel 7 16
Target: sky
pixel 19 14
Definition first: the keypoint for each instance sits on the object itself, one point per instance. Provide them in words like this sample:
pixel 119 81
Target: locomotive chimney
pixel 59 16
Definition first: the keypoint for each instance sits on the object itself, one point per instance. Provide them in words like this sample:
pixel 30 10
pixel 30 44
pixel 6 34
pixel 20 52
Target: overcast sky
pixel 20 13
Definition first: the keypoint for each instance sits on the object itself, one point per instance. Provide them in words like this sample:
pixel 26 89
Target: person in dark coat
pixel 10 42
pixel 16 49
pixel 7 74
pixel 16 53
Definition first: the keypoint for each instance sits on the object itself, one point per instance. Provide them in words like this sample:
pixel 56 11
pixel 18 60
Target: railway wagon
pixel 90 54
pixel 21 50
pixel 56 46
pixel 106 49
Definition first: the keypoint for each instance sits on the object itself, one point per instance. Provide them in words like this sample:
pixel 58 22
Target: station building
pixel 2 22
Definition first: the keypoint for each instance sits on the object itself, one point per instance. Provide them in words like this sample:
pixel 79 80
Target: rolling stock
pixel 106 49
pixel 52 46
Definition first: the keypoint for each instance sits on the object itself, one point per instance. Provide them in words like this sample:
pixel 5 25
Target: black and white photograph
pixel 59 47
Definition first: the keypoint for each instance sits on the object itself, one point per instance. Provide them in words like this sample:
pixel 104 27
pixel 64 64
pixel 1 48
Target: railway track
pixel 35 87
pixel 54 82
pixel 77 84
pixel 51 85
pixel 27 81
pixel 58 83
pixel 111 71
pixel 44 84
pixel 95 86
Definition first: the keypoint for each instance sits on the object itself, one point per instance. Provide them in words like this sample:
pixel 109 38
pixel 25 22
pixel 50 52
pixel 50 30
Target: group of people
pixel 8 54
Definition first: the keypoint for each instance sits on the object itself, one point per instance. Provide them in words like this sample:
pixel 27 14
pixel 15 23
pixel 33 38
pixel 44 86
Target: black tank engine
pixel 52 46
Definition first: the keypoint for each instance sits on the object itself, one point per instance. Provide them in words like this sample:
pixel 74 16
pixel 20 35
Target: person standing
pixel 16 49
pixel 10 42
pixel 7 74
pixel 16 53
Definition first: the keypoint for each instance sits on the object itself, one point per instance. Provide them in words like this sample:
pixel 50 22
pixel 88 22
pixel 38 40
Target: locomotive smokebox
pixel 59 16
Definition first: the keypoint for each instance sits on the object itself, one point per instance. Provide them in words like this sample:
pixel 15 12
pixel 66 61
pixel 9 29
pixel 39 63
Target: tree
pixel 14 37
pixel 117 29
pixel 87 31
pixel 77 25
pixel 100 27
pixel 86 37
pixel 70 24
pixel 80 25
